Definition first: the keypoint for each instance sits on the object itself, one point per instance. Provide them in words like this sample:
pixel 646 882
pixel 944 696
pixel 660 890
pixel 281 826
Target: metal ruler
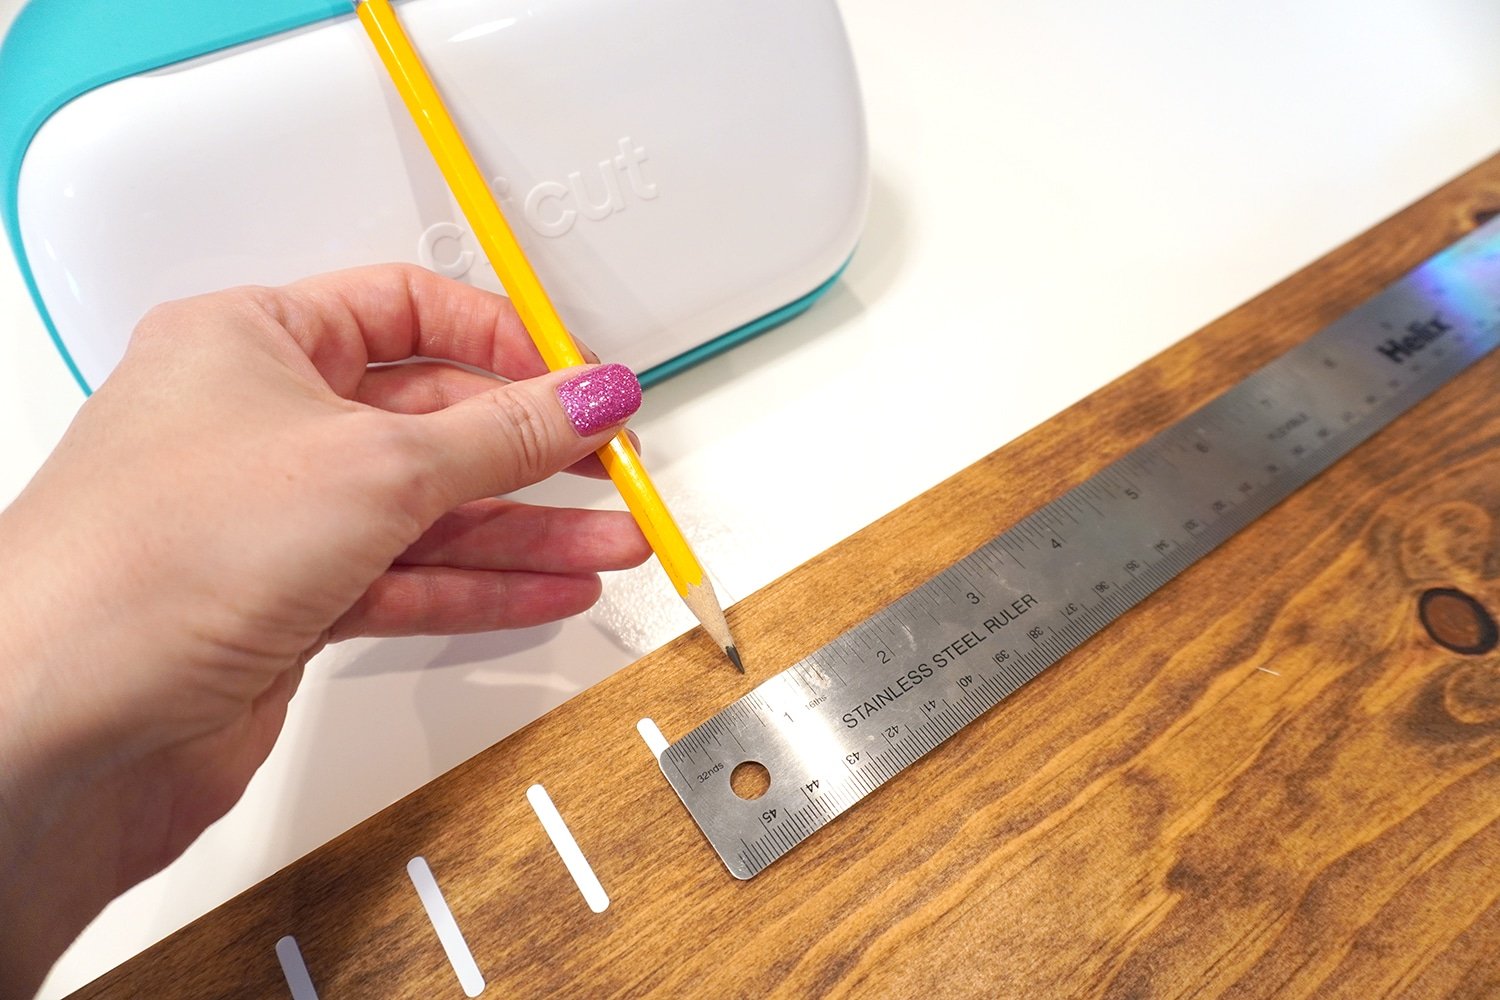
pixel 850 717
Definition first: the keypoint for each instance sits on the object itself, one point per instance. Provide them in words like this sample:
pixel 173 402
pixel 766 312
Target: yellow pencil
pixel 536 310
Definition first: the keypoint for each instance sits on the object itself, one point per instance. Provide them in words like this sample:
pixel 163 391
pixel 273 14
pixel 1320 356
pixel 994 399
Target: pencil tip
pixel 734 657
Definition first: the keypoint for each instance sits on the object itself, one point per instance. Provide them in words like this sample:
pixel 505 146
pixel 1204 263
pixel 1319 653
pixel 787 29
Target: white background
pixel 1060 190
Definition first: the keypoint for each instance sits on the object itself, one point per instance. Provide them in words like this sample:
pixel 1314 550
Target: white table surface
pixel 1060 190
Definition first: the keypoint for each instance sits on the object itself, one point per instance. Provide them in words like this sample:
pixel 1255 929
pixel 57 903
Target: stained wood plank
pixel 1266 780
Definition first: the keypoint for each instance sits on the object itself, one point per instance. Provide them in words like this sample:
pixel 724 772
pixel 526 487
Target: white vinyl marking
pixel 655 741
pixel 562 839
pixel 295 970
pixel 452 939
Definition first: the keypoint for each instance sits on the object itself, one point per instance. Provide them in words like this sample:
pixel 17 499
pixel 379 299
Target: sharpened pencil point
pixel 704 604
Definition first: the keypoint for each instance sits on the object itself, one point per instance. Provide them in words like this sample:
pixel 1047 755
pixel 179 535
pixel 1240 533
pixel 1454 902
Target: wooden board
pixel 1266 780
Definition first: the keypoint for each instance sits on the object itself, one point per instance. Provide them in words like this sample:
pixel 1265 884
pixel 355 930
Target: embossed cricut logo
pixel 551 207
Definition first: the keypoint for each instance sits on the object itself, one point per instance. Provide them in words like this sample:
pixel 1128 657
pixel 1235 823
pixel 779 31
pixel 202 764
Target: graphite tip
pixel 734 657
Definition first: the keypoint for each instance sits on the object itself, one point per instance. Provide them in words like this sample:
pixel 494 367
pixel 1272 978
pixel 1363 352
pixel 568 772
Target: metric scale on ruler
pixel 850 717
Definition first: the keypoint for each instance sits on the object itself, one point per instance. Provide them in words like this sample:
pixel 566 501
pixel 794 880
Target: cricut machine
pixel 682 173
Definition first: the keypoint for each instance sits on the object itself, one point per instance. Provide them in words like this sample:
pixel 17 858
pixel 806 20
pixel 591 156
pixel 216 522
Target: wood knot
pixel 1457 621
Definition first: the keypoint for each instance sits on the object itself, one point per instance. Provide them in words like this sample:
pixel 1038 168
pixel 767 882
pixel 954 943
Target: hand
pixel 244 489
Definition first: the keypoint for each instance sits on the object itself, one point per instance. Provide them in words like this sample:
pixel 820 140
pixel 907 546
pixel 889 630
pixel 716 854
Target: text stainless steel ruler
pixel 850 717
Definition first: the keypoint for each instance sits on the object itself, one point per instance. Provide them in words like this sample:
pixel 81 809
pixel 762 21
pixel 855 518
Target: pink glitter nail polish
pixel 600 397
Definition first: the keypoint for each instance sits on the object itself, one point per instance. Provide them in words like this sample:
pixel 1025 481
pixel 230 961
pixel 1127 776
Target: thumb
pixel 522 432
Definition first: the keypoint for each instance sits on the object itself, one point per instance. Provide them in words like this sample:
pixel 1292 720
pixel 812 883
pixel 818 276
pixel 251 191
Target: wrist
pixel 47 766
pixel 59 871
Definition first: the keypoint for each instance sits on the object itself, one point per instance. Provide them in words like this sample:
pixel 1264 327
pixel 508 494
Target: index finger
pixel 347 320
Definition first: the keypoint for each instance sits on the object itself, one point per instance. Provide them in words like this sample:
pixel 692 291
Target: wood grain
pixel 1267 780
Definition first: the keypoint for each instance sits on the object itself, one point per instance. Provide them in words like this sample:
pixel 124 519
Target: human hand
pixel 242 490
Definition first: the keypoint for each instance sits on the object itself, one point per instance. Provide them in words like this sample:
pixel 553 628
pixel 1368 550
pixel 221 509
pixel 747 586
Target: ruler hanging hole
pixel 750 779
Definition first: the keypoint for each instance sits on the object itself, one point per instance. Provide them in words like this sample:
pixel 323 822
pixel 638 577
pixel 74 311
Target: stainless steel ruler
pixel 850 717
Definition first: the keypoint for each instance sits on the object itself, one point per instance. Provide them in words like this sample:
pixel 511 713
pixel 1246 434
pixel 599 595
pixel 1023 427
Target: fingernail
pixel 600 397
